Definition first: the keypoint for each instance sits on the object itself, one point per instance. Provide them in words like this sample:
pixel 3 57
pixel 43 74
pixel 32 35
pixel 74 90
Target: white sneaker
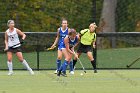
pixel 10 73
pixel 72 72
pixel 31 72
pixel 55 72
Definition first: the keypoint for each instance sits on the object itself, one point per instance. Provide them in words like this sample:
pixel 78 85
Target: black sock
pixel 74 62
pixel 93 64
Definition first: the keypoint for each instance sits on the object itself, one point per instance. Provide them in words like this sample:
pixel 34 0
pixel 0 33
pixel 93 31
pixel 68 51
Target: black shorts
pixel 14 50
pixel 84 48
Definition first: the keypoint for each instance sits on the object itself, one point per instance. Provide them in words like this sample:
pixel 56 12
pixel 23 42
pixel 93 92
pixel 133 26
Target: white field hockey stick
pixel 11 47
pixel 80 62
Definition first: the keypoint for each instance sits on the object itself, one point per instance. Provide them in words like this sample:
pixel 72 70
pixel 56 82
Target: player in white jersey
pixel 12 45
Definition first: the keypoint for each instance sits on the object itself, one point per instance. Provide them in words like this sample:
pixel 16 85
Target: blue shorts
pixel 61 46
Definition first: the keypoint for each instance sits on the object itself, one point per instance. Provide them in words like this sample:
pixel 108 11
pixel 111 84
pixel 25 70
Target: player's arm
pixel 68 30
pixel 6 41
pixel 77 41
pixel 56 39
pixel 94 42
pixel 82 32
pixel 21 34
pixel 94 45
pixel 66 41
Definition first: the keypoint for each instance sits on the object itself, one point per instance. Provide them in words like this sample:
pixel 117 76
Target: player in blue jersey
pixel 70 41
pixel 61 34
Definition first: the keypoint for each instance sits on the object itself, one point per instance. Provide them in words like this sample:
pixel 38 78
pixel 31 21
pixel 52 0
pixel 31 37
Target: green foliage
pixel 45 15
pixel 127 15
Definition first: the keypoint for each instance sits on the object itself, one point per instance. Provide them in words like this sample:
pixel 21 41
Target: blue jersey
pixel 62 35
pixel 73 42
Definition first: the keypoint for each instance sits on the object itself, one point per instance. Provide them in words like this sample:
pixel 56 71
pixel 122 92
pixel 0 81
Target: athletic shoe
pixel 95 71
pixel 55 72
pixel 10 73
pixel 72 72
pixel 58 73
pixel 64 74
pixel 31 72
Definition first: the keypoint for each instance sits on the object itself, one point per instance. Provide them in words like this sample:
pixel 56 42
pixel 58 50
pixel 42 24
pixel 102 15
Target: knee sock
pixel 10 66
pixel 74 62
pixel 64 66
pixel 58 62
pixel 26 65
pixel 93 64
pixel 71 66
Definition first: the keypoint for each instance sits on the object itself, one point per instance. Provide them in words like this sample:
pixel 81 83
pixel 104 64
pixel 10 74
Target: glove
pixel 21 41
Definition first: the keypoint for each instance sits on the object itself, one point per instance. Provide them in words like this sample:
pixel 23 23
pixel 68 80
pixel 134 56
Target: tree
pixel 108 21
pixel 45 15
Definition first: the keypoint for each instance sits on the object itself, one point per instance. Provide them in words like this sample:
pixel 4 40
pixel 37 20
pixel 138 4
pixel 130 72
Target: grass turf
pixel 106 81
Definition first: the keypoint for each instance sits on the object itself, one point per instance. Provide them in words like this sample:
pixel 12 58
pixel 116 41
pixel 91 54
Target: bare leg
pixel 21 59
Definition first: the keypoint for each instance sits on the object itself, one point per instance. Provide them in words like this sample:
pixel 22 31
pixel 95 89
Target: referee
pixel 88 38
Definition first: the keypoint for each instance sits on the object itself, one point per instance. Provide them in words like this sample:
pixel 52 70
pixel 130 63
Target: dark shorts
pixel 14 50
pixel 84 48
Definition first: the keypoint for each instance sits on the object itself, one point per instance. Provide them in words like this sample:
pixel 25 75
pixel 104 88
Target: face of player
pixel 11 24
pixel 73 36
pixel 64 24
pixel 92 27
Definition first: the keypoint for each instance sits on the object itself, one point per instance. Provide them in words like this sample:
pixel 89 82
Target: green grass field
pixel 106 81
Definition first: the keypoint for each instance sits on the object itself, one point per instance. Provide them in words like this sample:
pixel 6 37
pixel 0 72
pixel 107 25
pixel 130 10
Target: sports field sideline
pixel 106 81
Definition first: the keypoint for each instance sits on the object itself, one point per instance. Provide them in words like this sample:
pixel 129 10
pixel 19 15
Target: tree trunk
pixel 107 22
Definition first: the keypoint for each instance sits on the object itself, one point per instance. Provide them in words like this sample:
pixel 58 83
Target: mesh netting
pixel 113 50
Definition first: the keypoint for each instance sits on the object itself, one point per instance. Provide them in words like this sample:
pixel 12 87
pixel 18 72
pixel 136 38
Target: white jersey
pixel 13 38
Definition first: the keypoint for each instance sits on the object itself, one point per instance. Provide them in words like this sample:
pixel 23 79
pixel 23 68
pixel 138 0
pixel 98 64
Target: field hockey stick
pixel 80 63
pixel 132 63
pixel 48 49
pixel 11 47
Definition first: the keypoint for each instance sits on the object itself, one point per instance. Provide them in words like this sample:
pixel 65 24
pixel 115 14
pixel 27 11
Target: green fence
pixel 114 51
